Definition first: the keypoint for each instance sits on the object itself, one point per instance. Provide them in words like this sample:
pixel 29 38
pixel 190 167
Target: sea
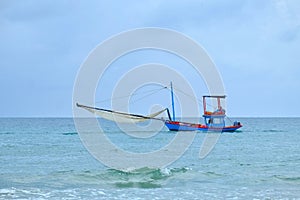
pixel 44 158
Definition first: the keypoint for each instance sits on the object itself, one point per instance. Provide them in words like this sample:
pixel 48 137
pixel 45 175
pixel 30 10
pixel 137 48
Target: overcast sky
pixel 255 45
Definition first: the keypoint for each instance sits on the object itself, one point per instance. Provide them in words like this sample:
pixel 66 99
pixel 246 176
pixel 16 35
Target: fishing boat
pixel 213 120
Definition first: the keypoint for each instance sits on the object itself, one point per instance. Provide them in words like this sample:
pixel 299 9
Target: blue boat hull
pixel 184 126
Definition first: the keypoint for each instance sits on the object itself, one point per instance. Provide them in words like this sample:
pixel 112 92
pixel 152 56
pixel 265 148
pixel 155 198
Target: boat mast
pixel 219 103
pixel 172 98
pixel 204 104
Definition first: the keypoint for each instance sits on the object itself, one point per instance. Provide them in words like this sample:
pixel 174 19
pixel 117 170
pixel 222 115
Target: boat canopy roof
pixel 214 96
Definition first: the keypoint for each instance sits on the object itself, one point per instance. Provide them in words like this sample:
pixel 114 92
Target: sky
pixel 254 44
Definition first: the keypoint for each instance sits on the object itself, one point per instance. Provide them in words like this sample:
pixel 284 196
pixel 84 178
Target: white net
pixel 120 117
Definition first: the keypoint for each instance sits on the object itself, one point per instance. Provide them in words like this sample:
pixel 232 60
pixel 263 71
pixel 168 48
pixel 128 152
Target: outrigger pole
pixel 172 98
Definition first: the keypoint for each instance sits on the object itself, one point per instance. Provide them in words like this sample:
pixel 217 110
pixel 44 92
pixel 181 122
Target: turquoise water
pixel 45 159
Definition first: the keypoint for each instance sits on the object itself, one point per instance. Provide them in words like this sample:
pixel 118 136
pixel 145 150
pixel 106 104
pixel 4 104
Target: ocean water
pixel 44 158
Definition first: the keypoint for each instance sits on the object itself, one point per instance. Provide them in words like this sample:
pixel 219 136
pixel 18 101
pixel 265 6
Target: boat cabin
pixel 214 116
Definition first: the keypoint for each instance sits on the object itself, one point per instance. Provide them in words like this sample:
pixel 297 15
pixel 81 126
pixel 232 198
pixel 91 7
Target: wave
pixel 138 178
pixel 212 174
pixel 64 133
pixel 272 131
pixel 288 179
pixel 261 131
pixel 143 177
pixel 7 133
pixel 70 133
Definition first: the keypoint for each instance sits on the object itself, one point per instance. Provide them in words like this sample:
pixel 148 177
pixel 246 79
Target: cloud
pixel 254 43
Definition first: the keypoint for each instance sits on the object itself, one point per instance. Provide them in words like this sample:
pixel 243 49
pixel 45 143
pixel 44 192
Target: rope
pixel 229 119
pixel 148 95
pixel 121 97
pixel 192 98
